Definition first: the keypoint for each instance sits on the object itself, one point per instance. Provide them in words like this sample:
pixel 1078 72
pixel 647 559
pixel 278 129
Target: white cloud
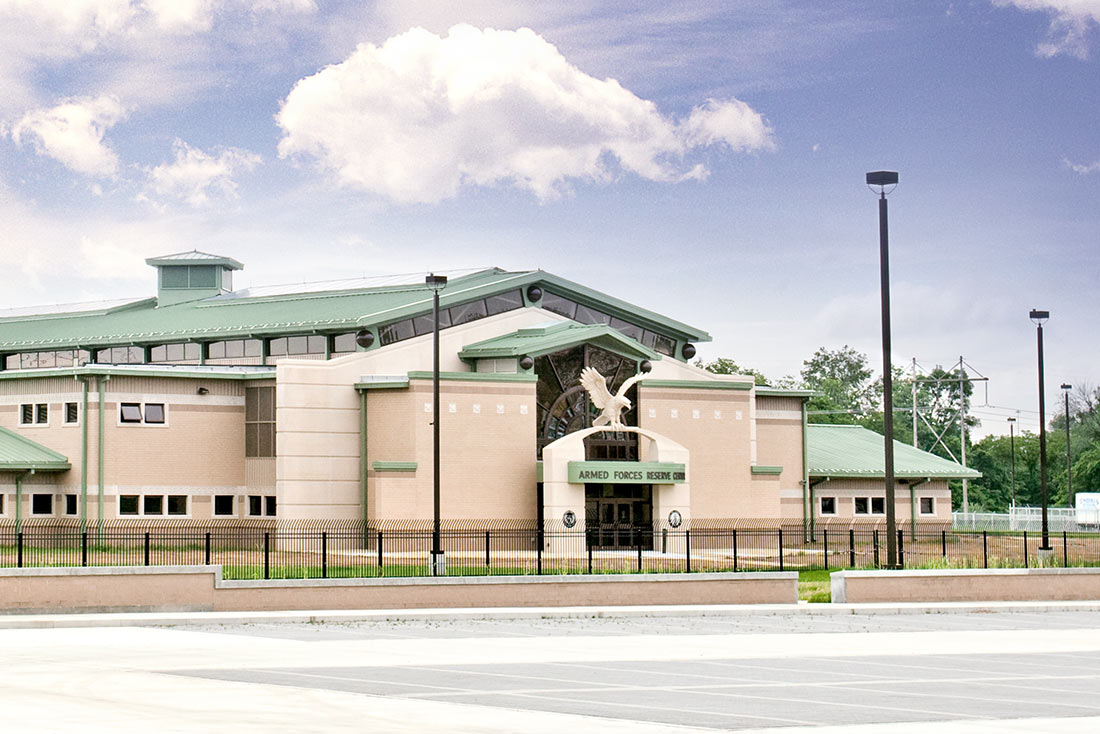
pixel 195 175
pixel 421 116
pixel 72 133
pixel 1082 168
pixel 1070 24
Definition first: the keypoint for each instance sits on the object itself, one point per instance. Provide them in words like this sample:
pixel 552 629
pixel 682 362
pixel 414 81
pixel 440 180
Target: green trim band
pixel 772 470
pixel 780 392
pixel 409 466
pixel 382 385
pixel 897 475
pixel 476 376
pixel 131 371
pixel 698 384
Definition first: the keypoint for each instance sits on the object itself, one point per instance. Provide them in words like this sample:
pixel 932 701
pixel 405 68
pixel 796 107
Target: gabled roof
pixel 555 337
pixel 326 311
pixel 18 453
pixel 856 452
pixel 194 257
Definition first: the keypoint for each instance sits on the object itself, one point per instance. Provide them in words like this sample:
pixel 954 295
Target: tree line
pixel 849 392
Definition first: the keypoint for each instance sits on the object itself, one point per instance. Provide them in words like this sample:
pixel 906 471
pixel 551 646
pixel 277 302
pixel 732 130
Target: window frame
pixel 920 505
pixel 65 413
pixel 821 506
pixel 71 498
pixel 53 505
pixel 232 505
pixel 38 413
pixel 143 413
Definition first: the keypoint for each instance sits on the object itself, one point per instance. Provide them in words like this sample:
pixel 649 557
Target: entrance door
pixel 619 515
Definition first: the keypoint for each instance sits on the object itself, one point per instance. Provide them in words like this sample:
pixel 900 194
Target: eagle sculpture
pixel 611 405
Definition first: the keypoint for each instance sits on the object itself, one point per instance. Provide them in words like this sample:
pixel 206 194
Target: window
pixel 424 324
pixel 285 345
pixel 587 315
pixel 255 505
pixel 121 355
pixel 1 504
pixel 509 301
pixel 72 413
pixel 223 504
pixel 37 360
pixel 557 304
pixel 661 344
pixel 342 343
pixel 828 505
pixel 70 504
pixel 130 413
pixel 153 504
pixel 177 504
pixel 869 505
pixel 149 413
pixel 878 505
pixel 128 504
pixel 468 312
pixel 928 505
pixel 259 422
pixel 234 349
pixel 41 504
pixel 396 332
pixel 189 276
pixel 188 352
pixel 269 506
pixel 31 414
pixel 861 505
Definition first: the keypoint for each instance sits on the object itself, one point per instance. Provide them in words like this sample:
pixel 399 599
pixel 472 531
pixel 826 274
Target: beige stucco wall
pixel 845 490
pixel 961 585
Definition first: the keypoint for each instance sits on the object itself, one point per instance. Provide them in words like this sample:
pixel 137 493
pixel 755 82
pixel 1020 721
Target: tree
pixel 726 366
pixel 992 456
pixel 844 379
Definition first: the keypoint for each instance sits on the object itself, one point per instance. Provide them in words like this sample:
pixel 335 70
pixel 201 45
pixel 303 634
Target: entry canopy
pixel 539 340
pixel 22 454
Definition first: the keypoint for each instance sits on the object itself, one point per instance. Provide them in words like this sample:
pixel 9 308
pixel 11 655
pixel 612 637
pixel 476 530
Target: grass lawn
pixel 814 586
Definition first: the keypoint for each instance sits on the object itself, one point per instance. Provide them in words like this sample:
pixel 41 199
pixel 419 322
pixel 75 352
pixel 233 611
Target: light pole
pixel 882 179
pixel 1040 318
pixel 1069 479
pixel 1012 459
pixel 438 560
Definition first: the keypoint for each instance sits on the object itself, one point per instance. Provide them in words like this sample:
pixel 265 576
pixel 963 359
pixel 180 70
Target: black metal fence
pixel 262 552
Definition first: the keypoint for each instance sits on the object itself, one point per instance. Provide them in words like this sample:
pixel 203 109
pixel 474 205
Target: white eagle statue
pixel 611 405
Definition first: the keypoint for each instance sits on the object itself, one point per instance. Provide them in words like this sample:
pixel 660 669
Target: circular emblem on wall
pixel 675 519
pixel 569 518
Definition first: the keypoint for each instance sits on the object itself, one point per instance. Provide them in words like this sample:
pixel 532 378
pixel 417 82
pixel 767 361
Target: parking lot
pixel 1020 671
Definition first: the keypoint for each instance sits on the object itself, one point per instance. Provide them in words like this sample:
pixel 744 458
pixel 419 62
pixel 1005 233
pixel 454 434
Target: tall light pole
pixel 1069 479
pixel 438 560
pixel 1012 457
pixel 1040 318
pixel 882 179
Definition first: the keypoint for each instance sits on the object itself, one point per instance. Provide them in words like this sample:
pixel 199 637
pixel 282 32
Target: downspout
pixel 83 454
pixel 363 460
pixel 102 384
pixel 806 506
pixel 813 505
pixel 913 503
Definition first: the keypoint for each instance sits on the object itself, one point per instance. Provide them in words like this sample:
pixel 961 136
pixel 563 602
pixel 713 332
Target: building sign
pixel 626 472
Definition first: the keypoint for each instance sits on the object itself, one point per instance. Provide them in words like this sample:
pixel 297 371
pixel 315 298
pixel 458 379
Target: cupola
pixel 192 276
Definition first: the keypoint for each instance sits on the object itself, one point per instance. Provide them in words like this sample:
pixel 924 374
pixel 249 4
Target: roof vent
pixel 192 276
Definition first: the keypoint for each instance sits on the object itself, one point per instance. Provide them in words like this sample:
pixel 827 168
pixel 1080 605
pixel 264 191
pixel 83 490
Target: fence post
pixel 146 547
pixel 588 542
pixel 84 548
pixel 638 542
pixel 985 551
pixel 381 571
pixel 664 540
pixel 901 549
pixel 267 555
pixel 487 562
pixel 780 549
pixel 943 542
pixel 206 554
pixel 852 547
pixel 1065 551
pixel 735 550
pixel 19 549
pixel 874 540
pixel 687 551
pixel 538 559
pixel 1027 563
pixel 324 554
pixel 825 546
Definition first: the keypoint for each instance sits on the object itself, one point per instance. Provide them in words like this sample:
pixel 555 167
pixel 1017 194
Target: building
pixel 314 402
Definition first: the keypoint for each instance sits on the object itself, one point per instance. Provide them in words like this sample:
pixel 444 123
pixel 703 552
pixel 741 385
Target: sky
pixel 703 160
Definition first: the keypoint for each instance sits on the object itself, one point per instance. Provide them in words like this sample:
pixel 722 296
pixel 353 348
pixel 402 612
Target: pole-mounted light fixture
pixel 1012 457
pixel 438 562
pixel 1039 318
pixel 882 180
pixel 1069 479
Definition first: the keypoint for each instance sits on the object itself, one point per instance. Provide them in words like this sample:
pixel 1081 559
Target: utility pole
pixel 915 403
pixel 962 429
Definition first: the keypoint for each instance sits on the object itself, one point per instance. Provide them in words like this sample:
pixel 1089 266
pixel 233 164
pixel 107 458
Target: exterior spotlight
pixel 364 338
pixel 534 293
pixel 202 391
pixel 436 282
pixel 688 351
pixel 646 366
pixel 525 362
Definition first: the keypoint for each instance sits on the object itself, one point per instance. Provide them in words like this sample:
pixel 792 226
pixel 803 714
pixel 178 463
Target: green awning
pixel 855 452
pixel 18 453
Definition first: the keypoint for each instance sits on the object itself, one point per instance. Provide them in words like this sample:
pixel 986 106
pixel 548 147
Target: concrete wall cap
pixel 112 571
pixel 747 576
pixel 924 572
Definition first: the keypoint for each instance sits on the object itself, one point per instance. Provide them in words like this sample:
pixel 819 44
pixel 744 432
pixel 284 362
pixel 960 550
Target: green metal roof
pixel 555 337
pixel 194 257
pixel 18 453
pixel 235 316
pixel 854 451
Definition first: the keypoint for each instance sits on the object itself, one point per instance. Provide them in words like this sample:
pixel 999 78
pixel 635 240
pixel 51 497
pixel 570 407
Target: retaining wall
pixel 963 585
pixel 201 588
